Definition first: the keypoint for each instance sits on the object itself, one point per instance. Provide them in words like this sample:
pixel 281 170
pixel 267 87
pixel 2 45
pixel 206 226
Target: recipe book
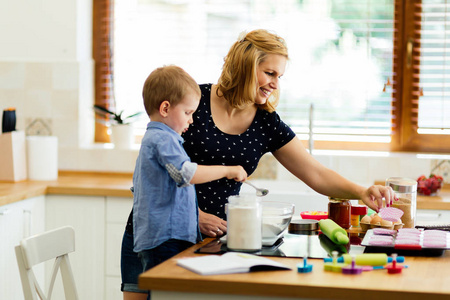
pixel 230 262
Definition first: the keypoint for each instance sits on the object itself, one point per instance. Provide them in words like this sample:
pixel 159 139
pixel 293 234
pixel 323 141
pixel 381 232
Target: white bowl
pixel 276 217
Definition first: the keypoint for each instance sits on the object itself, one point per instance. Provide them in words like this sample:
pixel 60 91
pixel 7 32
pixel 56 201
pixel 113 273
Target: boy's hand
pixel 237 173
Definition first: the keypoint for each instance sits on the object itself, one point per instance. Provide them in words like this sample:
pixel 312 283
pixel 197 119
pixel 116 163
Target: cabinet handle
pixel 4 212
pixel 26 223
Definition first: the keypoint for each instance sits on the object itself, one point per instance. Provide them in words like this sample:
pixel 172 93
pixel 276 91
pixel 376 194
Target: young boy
pixel 165 212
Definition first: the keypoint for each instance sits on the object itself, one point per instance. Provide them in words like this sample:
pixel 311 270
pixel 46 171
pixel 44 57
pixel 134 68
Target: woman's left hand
pixel 373 196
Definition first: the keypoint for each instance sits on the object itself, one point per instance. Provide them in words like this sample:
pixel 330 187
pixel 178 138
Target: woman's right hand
pixel 211 225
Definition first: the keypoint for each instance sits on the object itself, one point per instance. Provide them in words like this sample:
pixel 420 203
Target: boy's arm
pixel 210 173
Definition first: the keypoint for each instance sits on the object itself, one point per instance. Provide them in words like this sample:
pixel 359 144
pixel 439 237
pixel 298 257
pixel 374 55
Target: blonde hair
pixel 169 83
pixel 238 81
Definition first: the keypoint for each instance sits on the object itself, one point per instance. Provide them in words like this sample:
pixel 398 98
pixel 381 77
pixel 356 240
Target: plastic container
pixel 356 213
pixel 244 223
pixel 339 211
pixel 406 191
pixel 314 215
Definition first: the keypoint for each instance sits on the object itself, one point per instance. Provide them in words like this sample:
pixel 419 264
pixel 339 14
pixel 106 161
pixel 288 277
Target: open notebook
pixel 230 262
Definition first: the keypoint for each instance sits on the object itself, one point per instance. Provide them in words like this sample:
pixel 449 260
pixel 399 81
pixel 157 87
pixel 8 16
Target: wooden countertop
pixel 69 183
pixel 424 277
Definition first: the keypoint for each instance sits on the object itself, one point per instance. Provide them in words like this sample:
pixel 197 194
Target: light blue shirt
pixel 164 202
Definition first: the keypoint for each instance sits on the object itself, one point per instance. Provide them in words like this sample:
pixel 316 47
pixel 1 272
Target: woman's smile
pixel 269 72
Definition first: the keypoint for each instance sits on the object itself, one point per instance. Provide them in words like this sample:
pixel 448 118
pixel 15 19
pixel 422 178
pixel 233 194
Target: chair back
pixel 54 244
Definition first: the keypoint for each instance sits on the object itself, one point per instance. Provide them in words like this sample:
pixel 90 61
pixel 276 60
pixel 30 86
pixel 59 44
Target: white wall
pixel 46 71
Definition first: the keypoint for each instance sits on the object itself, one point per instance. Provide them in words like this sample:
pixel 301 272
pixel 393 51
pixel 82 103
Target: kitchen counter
pixel 119 184
pixel 69 183
pixel 425 277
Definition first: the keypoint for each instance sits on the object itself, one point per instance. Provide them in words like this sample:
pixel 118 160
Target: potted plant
pixel 121 129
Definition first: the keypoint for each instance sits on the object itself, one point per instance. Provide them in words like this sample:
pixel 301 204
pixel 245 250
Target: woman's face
pixel 269 72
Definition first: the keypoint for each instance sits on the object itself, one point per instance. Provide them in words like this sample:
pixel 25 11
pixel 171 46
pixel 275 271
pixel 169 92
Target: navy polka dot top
pixel 207 145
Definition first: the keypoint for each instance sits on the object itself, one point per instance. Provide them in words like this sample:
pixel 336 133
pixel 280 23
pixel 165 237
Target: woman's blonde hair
pixel 238 81
pixel 169 83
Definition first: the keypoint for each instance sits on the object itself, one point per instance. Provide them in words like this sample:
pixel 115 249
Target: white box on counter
pixel 13 160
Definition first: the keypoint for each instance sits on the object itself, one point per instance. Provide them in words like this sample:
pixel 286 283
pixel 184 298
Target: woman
pixel 236 123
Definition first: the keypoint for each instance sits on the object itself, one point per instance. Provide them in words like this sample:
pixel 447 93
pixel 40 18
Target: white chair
pixel 54 244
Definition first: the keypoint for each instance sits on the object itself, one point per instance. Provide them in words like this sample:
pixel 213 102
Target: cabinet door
pixel 117 211
pixel 87 216
pixel 17 221
pixel 11 232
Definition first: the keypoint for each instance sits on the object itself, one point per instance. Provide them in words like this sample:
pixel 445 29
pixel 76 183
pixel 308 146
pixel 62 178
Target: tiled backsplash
pixel 441 168
pixel 363 168
pixel 53 91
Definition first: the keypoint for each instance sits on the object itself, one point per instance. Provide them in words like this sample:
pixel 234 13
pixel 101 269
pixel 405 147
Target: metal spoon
pixel 259 191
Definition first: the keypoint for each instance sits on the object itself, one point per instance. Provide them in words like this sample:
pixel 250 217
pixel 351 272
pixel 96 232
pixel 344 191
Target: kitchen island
pixel 107 199
pixel 425 278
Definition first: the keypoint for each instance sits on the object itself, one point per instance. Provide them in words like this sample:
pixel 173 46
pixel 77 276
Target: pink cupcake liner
pixel 382 238
pixel 384 231
pixel 380 242
pixel 409 230
pixel 391 214
pixel 435 244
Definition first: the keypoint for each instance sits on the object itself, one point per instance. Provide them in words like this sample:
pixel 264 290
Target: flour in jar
pixel 244 232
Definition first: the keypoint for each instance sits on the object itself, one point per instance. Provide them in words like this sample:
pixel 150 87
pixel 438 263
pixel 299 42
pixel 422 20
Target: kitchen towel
pixel 42 153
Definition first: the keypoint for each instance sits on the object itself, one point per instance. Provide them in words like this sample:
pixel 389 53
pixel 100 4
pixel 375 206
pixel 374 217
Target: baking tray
pixel 404 250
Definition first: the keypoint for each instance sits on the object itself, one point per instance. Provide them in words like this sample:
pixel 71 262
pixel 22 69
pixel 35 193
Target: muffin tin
pixel 407 241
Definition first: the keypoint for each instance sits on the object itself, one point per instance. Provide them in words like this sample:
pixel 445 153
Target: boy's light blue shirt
pixel 164 205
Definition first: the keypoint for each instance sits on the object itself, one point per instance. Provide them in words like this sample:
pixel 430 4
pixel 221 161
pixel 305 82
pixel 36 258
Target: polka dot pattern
pixel 208 145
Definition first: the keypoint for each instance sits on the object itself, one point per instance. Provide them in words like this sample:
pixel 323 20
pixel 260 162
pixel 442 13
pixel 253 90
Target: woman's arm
pixel 294 157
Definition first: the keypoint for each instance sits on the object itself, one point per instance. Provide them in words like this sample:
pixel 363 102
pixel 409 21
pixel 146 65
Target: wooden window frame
pixel 406 86
pixel 102 26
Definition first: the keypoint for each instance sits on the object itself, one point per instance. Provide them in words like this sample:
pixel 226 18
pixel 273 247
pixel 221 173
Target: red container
pixel 314 215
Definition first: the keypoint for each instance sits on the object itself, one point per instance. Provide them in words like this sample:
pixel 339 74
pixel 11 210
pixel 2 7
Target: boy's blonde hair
pixel 169 83
pixel 238 81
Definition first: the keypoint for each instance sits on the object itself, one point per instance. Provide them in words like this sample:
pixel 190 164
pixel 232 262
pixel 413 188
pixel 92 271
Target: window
pixel 421 105
pixel 347 72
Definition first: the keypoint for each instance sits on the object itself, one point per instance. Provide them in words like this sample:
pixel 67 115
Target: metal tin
pixel 402 185
pixel 303 225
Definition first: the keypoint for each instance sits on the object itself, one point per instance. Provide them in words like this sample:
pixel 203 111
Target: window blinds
pixel 351 87
pixel 431 63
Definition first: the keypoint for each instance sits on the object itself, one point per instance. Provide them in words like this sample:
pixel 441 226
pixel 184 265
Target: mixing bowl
pixel 276 217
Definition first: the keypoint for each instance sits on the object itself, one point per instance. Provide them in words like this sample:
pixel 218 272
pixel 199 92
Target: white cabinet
pixel 99 224
pixel 87 216
pixel 117 211
pixel 17 221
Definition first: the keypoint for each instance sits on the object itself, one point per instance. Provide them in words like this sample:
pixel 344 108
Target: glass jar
pixel 244 223
pixel 339 211
pixel 406 191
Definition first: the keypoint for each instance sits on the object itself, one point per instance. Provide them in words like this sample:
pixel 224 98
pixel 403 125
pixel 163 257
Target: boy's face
pixel 179 117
